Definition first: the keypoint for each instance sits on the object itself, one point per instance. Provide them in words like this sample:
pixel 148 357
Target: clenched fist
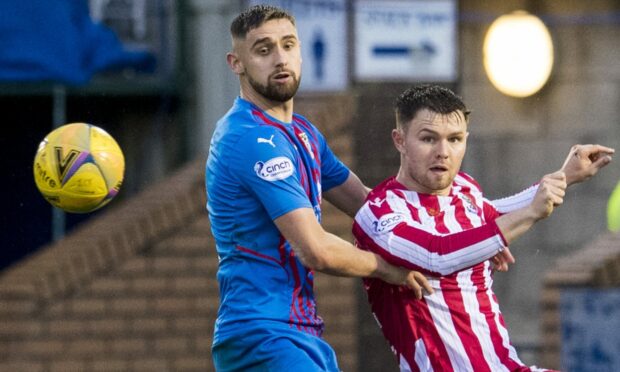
pixel 550 194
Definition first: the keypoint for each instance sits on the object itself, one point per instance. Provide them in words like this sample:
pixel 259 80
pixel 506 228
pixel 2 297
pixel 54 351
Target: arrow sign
pixel 424 49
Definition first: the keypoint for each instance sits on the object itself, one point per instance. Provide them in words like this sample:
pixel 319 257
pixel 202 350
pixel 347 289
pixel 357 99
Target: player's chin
pixel 440 183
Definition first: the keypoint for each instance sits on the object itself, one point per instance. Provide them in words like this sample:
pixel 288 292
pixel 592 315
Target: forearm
pixel 515 224
pixel 326 252
pixel 341 258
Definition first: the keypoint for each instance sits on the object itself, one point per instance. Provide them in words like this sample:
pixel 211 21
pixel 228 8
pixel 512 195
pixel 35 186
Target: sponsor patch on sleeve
pixel 274 169
pixel 387 222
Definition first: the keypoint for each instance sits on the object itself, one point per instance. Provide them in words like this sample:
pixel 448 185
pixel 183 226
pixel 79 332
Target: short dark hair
pixel 431 97
pixel 254 17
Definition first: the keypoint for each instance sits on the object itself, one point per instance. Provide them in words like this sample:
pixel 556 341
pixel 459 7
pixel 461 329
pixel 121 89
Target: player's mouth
pixel 438 168
pixel 282 77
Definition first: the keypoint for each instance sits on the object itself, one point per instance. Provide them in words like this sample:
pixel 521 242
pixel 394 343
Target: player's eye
pixel 456 139
pixel 427 139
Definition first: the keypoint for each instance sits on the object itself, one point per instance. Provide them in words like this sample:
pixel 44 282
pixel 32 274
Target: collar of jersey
pixel 249 105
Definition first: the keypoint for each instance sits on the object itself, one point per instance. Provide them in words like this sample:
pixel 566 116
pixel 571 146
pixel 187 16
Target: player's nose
pixel 280 56
pixel 442 149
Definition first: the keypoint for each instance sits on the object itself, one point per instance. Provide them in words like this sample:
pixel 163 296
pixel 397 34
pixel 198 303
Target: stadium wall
pixel 594 269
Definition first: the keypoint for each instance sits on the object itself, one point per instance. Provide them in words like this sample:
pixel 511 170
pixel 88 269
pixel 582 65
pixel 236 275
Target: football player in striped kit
pixel 433 218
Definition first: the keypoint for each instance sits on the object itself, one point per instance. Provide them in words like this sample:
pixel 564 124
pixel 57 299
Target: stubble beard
pixel 276 92
pixel 430 184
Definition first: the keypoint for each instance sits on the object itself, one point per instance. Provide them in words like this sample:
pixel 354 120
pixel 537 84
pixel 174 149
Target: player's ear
pixel 399 140
pixel 234 62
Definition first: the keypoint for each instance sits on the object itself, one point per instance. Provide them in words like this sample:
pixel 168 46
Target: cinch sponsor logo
pixel 274 169
pixel 388 222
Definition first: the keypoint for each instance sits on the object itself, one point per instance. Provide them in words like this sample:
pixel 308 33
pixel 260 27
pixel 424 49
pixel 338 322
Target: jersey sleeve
pixel 516 201
pixel 265 163
pixel 489 211
pixel 400 239
pixel 333 171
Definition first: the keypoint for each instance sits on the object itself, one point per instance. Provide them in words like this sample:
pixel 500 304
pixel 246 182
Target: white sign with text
pixel 405 40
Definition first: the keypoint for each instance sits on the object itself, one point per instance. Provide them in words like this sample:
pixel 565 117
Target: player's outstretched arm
pixel 401 241
pixel 582 162
pixel 325 252
pixel 550 194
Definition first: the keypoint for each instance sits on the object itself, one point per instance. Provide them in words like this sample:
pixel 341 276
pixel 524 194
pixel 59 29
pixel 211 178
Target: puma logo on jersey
pixel 264 140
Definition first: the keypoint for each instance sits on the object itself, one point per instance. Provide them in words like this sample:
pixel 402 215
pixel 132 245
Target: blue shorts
pixel 265 346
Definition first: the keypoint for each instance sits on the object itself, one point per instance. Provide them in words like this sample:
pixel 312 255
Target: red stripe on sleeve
pixel 448 243
pixel 489 211
pixel 365 241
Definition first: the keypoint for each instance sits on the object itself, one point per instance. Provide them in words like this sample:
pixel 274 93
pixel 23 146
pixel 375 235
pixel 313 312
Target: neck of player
pixel 282 111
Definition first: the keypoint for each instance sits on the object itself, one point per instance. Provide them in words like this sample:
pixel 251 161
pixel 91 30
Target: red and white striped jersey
pixel 450 239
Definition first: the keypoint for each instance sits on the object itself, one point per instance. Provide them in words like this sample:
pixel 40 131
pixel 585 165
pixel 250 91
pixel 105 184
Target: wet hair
pixel 431 97
pixel 254 17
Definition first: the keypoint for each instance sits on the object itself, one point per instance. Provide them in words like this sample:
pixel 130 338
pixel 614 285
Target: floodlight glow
pixel 518 54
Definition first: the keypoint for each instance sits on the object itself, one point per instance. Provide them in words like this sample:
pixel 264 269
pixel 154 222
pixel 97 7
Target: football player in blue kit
pixel 267 170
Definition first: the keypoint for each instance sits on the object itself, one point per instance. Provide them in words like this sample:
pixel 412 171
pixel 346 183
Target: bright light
pixel 518 54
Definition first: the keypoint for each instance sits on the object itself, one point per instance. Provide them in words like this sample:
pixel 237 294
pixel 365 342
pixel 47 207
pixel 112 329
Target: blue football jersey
pixel 259 169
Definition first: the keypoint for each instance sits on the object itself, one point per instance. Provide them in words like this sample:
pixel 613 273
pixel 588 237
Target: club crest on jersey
pixel 274 169
pixel 304 138
pixel 387 222
pixel 471 207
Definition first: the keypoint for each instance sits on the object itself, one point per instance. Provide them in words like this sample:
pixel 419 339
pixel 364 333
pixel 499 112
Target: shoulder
pixel 384 209
pixel 305 124
pixel 233 126
pixel 247 147
pixel 384 196
pixel 243 117
pixel 466 181
pixel 387 188
pixel 266 140
pixel 303 120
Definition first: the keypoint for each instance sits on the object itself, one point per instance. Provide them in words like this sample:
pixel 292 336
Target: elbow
pixel 313 258
pixel 317 253
pixel 315 261
pixel 439 261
